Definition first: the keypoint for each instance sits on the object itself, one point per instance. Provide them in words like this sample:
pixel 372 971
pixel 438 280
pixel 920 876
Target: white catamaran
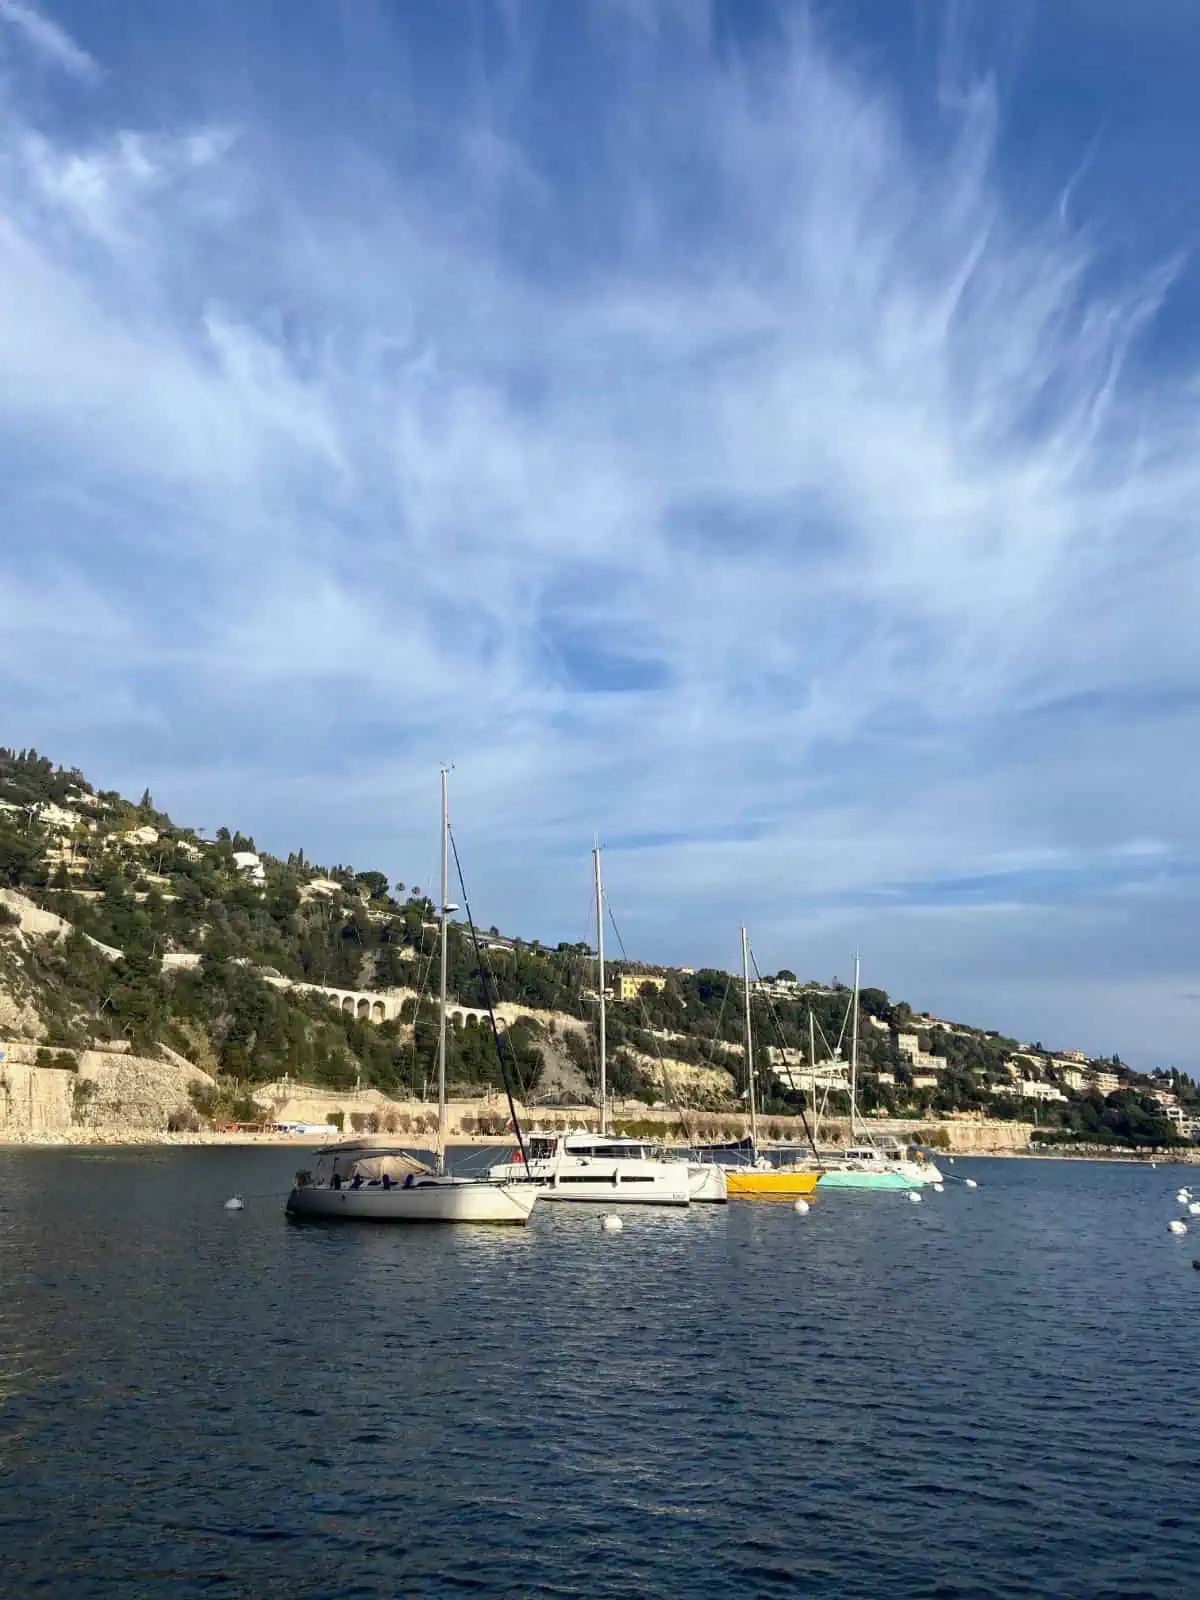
pixel 583 1166
pixel 362 1181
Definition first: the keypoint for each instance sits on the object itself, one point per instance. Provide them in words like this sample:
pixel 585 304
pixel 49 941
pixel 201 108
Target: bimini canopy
pixel 359 1159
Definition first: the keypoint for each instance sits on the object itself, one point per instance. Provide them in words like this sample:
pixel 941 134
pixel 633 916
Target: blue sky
pixel 763 435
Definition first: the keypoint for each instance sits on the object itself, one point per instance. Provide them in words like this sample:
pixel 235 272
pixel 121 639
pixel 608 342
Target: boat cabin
pixel 599 1147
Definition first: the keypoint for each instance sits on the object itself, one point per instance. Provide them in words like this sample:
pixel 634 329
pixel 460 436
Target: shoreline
pixel 134 1138
pixel 100 1139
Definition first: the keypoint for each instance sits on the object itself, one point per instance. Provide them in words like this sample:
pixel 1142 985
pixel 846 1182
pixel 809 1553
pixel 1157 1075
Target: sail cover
pixel 367 1162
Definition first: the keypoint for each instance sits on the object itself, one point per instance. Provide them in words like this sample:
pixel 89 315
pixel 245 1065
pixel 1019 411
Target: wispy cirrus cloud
pixel 740 469
pixel 48 41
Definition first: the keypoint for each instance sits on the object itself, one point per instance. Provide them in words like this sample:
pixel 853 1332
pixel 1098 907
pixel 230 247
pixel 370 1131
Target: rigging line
pixel 512 1106
pixel 779 1033
pixel 419 997
pixel 827 1090
pixel 648 1030
pixel 835 1058
pixel 845 1022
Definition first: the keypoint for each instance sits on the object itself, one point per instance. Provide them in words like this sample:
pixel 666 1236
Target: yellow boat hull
pixel 756 1183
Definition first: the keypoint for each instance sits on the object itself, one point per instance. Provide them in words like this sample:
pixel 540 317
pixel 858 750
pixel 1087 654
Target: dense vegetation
pixel 126 877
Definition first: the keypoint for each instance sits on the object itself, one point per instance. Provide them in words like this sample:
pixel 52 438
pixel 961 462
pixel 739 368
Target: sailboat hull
pixel 867 1180
pixel 430 1200
pixel 755 1183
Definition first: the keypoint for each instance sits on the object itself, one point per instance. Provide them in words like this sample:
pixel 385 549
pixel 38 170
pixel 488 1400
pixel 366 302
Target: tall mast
pixel 749 1043
pixel 445 913
pixel 600 984
pixel 854 1057
pixel 812 1071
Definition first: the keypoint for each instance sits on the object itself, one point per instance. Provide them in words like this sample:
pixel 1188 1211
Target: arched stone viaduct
pixel 368 1007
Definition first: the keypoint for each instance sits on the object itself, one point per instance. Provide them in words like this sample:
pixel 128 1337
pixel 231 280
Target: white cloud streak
pixel 48 41
pixel 769 512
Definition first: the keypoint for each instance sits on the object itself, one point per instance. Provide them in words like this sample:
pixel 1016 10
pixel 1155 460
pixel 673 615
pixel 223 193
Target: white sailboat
pixel 586 1167
pixel 361 1181
pixel 871 1161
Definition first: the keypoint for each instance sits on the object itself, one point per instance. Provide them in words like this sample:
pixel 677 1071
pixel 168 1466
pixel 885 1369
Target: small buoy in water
pixel 914 1197
pixel 1194 1207
pixel 611 1223
pixel 969 1183
pixel 950 1159
pixel 1183 1194
pixel 939 1188
pixel 236 1204
pixel 801 1208
pixel 1177 1226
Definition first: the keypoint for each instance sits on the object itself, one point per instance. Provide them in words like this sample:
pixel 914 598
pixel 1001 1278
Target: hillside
pixel 122 929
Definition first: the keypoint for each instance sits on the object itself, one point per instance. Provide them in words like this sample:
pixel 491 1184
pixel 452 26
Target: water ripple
pixel 990 1395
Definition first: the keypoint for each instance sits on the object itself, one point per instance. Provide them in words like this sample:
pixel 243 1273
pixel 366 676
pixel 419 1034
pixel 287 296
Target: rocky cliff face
pixel 108 1091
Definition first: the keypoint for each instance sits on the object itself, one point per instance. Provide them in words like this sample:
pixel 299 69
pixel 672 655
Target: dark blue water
pixel 993 1393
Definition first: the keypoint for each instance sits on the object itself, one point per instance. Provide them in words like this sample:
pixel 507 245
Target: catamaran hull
pixel 706 1184
pixel 427 1202
pixel 625 1194
pixel 627 1183
pixel 755 1183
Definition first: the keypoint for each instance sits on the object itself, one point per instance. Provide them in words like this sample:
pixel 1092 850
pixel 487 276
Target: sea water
pixel 993 1394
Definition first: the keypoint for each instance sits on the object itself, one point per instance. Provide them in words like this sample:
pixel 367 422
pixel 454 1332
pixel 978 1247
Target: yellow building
pixel 628 985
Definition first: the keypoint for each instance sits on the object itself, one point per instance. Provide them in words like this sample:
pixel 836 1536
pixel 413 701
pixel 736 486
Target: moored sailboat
pixel 376 1183
pixel 761 1179
pixel 604 1167
pixel 870 1161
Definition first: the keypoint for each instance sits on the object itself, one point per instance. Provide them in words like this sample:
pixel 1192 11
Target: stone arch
pixel 348 1005
pixel 457 1018
pixel 364 1010
pixel 378 1011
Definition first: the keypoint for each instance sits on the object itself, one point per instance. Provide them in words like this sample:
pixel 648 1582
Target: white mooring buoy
pixel 939 1188
pixel 969 1183
pixel 801 1208
pixel 914 1197
pixel 1194 1207
pixel 236 1204
pixel 611 1223
pixel 1177 1226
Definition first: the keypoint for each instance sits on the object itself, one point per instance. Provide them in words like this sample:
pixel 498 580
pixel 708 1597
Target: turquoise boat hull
pixel 865 1180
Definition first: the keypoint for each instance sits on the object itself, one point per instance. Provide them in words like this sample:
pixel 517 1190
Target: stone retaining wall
pixel 106 1090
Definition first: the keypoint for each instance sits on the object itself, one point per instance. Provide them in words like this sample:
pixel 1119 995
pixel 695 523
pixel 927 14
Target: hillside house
pixel 909 1046
pixel 628 985
pixel 1069 1072
pixel 1029 1089
pixel 139 838
pixel 1103 1082
pixel 249 865
pixel 778 988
